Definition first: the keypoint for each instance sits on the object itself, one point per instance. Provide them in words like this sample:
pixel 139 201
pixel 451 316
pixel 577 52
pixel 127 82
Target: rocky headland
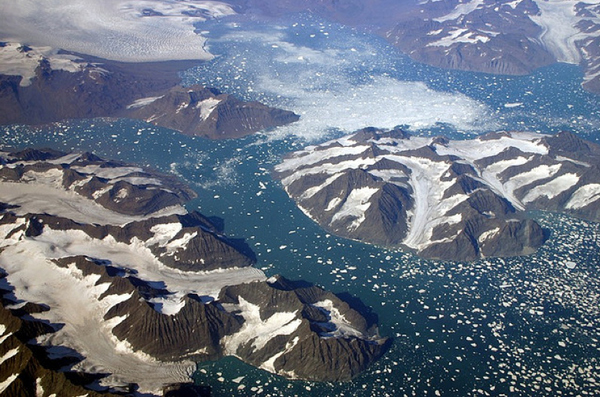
pixel 132 289
pixel 43 87
pixel 455 200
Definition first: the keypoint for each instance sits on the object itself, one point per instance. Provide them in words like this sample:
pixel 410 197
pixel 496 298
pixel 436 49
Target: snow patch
pixel 269 365
pixel 256 330
pixel 476 149
pixel 355 206
pixel 460 10
pixel 342 327
pixel 7 382
pixel 460 36
pixel 180 243
pixel 584 196
pixel 513 4
pixel 9 354
pixel 38 199
pixel 17 60
pixel 333 203
pixel 107 172
pixel 140 103
pixel 207 106
pixel 531 176
pixel 168 305
pixel 329 168
pixel 488 234
pixel 310 156
pixel 553 188
pixel 316 189
pixel 164 233
pixel 3 338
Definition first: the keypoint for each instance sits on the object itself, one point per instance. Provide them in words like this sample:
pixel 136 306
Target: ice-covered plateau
pixel 41 85
pixel 454 200
pixel 105 273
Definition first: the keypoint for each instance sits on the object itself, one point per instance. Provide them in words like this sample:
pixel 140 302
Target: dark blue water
pixel 518 326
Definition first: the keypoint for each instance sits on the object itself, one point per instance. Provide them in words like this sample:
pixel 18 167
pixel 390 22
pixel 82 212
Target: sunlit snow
pixel 140 103
pixel 553 188
pixel 558 21
pixel 584 196
pixel 461 9
pixel 256 330
pixel 355 206
pixel 67 204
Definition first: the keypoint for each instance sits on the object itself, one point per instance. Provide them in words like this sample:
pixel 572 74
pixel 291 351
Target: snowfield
pixel 16 60
pixel 36 279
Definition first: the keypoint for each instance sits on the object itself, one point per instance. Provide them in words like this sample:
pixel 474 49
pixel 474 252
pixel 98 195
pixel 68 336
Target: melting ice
pixel 334 77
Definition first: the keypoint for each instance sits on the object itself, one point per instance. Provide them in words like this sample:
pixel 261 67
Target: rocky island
pixel 105 275
pixel 454 200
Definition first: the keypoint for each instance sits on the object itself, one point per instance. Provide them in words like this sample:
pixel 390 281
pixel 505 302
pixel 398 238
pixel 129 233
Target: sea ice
pixel 319 82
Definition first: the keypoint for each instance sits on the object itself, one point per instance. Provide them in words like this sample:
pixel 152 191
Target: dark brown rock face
pixel 498 37
pixel 331 342
pixel 207 112
pixel 508 52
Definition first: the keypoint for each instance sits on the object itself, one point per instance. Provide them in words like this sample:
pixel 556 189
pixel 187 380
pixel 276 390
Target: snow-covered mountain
pixel 457 200
pixel 508 36
pixel 121 280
